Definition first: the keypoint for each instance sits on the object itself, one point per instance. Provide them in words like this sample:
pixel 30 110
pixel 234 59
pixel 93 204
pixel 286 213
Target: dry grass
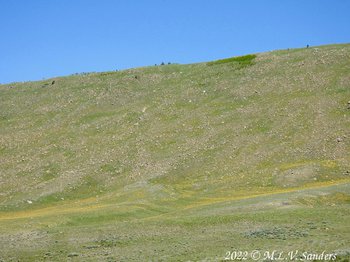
pixel 178 141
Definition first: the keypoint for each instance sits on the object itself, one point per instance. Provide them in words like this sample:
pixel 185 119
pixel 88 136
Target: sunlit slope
pixel 174 134
pixel 179 162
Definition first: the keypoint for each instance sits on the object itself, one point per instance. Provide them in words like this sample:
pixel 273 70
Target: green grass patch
pixel 243 61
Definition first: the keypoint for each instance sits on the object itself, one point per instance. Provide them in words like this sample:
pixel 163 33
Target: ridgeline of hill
pixel 179 162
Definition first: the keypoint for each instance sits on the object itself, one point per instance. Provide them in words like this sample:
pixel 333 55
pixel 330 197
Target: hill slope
pixel 196 156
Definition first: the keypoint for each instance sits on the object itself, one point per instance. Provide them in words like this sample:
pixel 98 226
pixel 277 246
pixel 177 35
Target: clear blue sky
pixel 46 38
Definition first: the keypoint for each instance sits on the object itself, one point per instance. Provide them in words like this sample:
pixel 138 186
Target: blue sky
pixel 47 38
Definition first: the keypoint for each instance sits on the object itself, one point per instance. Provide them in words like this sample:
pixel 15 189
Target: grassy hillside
pixel 179 162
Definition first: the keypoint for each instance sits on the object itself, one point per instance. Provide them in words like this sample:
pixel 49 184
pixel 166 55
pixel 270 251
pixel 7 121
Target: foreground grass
pixel 284 221
pixel 178 162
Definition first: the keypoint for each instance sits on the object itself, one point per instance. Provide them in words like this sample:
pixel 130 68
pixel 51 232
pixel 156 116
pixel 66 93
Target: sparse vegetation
pixel 179 162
